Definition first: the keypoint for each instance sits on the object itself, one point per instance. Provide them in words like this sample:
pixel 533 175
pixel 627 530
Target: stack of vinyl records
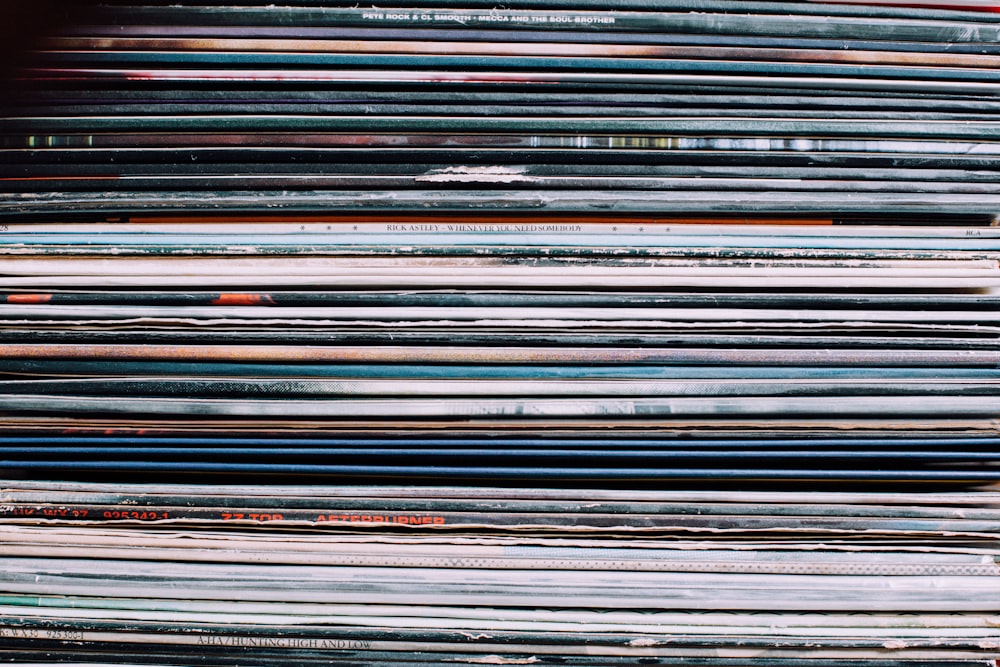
pixel 551 332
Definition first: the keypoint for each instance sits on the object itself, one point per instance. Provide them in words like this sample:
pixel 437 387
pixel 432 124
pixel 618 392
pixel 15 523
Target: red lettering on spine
pixel 243 300
pixel 29 298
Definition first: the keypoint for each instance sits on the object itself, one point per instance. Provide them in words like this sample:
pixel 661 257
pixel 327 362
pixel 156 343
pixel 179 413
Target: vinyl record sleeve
pixel 507 43
pixel 553 588
pixel 681 21
pixel 770 202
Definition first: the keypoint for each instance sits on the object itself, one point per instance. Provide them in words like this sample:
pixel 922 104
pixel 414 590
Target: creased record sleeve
pixel 649 176
pixel 210 181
